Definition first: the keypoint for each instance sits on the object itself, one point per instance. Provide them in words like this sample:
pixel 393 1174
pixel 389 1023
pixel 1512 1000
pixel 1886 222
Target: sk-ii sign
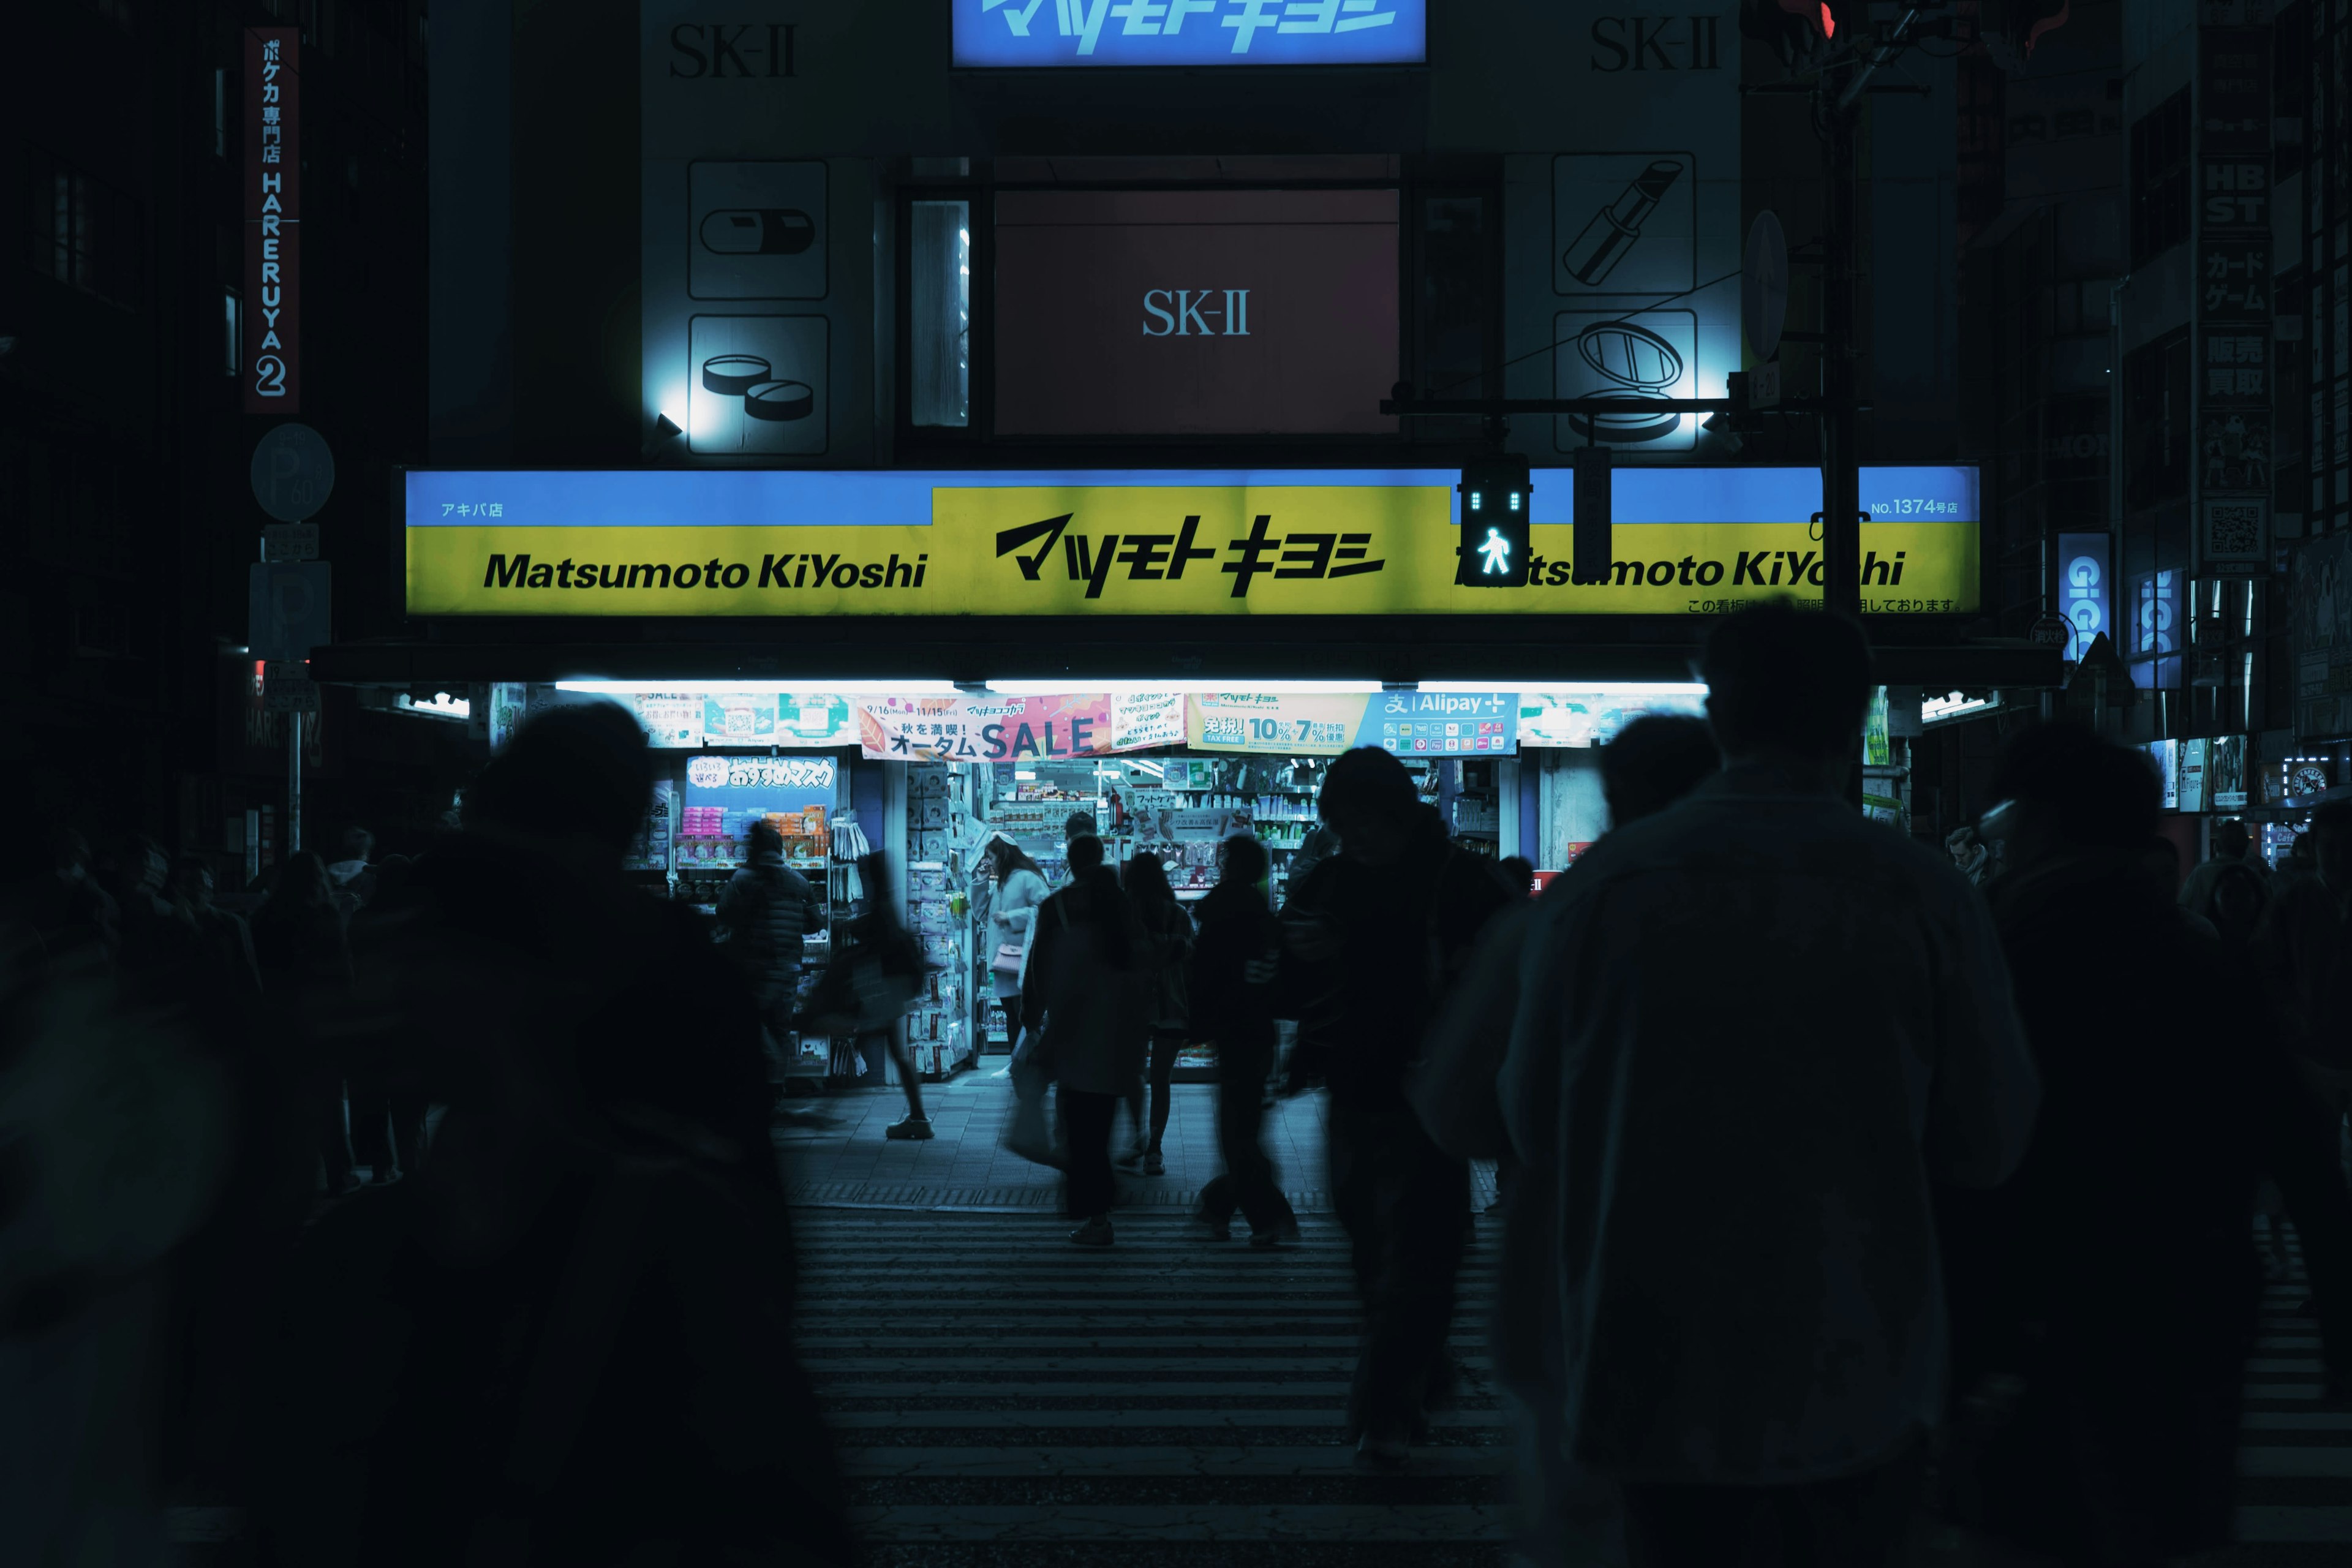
pixel 1196 312
pixel 1038 33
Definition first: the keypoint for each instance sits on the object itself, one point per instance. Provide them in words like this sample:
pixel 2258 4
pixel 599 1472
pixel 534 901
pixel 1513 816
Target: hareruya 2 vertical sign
pixel 273 220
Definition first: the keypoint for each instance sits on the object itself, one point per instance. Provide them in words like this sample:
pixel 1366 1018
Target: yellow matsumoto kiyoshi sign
pixel 849 547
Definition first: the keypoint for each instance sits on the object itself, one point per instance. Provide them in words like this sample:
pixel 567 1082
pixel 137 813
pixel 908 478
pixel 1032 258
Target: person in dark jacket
pixel 765 914
pixel 1233 970
pixel 1088 994
pixel 2094 1434
pixel 1144 879
pixel 1378 933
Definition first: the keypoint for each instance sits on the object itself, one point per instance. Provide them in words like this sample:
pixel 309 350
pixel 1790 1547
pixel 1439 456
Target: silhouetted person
pixel 301 943
pixel 224 938
pixel 765 913
pixel 1566 1516
pixel 354 876
pixel 888 963
pixel 1144 879
pixel 2113 1279
pixel 1519 872
pixel 1088 994
pixel 568 1339
pixel 1379 931
pixel 1751 1315
pixel 1234 965
pixel 2306 950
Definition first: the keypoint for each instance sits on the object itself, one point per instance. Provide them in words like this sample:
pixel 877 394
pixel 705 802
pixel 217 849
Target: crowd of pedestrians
pixel 1844 1183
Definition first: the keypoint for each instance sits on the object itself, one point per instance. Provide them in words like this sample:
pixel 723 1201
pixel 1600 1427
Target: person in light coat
pixel 1012 910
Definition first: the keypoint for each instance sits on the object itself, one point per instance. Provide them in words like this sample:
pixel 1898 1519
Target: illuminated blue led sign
pixel 1042 34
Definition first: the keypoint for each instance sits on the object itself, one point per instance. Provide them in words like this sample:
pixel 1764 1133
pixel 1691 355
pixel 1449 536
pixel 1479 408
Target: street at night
pixel 1291 784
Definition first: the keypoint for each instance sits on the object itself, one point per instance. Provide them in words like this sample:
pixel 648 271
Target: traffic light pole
pixel 1838 113
pixel 1841 459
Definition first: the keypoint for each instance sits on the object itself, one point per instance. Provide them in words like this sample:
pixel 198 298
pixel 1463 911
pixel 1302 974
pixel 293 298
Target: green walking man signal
pixel 1496 495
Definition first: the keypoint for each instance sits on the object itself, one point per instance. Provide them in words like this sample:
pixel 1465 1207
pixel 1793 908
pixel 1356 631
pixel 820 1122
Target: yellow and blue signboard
pixel 1233 543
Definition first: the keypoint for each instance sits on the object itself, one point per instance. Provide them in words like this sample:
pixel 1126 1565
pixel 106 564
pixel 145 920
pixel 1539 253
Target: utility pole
pixel 1837 109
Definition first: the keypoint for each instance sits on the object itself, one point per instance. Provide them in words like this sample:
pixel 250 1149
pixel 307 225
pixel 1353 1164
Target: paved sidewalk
pixel 835 1152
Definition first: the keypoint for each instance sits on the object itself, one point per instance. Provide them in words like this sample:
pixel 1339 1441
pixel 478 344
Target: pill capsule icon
pixel 779 402
pixel 758 231
pixel 732 375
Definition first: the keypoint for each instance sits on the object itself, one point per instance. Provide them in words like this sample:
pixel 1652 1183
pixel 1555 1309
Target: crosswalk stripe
pixel 1326 1460
pixel 2334 1461
pixel 2327 1524
pixel 1035 1526
pixel 1480 1421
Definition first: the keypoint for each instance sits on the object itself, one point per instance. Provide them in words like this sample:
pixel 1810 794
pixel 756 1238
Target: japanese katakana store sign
pixel 271 350
pixel 1031 33
pixel 1344 542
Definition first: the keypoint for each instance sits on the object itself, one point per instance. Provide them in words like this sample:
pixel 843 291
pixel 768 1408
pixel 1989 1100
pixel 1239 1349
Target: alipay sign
pixel 1033 34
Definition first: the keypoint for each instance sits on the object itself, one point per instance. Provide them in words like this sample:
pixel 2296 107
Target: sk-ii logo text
pixel 1187 313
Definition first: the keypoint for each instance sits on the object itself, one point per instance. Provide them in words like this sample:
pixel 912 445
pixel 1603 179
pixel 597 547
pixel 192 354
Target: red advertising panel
pixel 273 220
pixel 1175 312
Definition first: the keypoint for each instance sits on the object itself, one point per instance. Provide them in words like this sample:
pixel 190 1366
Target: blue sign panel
pixel 1036 34
pixel 2084 597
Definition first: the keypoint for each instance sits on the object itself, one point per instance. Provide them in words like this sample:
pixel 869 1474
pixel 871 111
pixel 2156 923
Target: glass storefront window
pixel 940 325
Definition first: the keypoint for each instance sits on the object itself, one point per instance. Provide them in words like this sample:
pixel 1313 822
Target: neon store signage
pixel 1033 34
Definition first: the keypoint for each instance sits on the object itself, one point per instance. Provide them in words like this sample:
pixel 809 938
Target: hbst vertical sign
pixel 273 220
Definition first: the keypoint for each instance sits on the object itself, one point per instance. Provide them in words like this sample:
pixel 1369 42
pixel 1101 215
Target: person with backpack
pixel 1088 996
pixel 1379 932
pixel 1145 882
pixel 765 914
pixel 1233 970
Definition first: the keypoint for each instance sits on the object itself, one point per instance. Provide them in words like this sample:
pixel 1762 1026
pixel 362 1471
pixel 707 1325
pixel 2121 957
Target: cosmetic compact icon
pixel 1613 230
pixel 758 231
pixel 1631 361
pixel 766 396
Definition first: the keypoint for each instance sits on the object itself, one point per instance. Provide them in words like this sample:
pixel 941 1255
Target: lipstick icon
pixel 758 231
pixel 1615 227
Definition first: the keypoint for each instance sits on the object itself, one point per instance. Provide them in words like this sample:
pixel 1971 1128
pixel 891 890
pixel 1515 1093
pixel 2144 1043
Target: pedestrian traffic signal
pixel 1496 537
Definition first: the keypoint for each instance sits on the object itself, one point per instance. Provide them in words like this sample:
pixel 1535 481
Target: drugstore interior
pixel 820 769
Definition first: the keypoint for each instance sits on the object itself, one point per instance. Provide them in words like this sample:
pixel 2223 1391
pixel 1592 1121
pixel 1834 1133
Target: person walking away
pixel 886 965
pixel 1088 994
pixel 1012 910
pixel 1169 930
pixel 2306 950
pixel 1379 931
pixel 300 943
pixel 765 915
pixel 1232 986
pixel 1567 1515
pixel 2105 1299
pixel 1751 1318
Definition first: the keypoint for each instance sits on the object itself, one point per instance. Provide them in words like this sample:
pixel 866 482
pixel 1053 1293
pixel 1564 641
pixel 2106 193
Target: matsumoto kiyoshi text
pixel 835 570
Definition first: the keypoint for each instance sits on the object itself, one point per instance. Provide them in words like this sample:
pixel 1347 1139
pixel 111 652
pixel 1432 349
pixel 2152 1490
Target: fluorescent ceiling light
pixel 1079 685
pixel 1597 688
pixel 813 688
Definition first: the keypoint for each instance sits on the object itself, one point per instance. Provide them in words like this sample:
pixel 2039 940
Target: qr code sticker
pixel 2233 529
